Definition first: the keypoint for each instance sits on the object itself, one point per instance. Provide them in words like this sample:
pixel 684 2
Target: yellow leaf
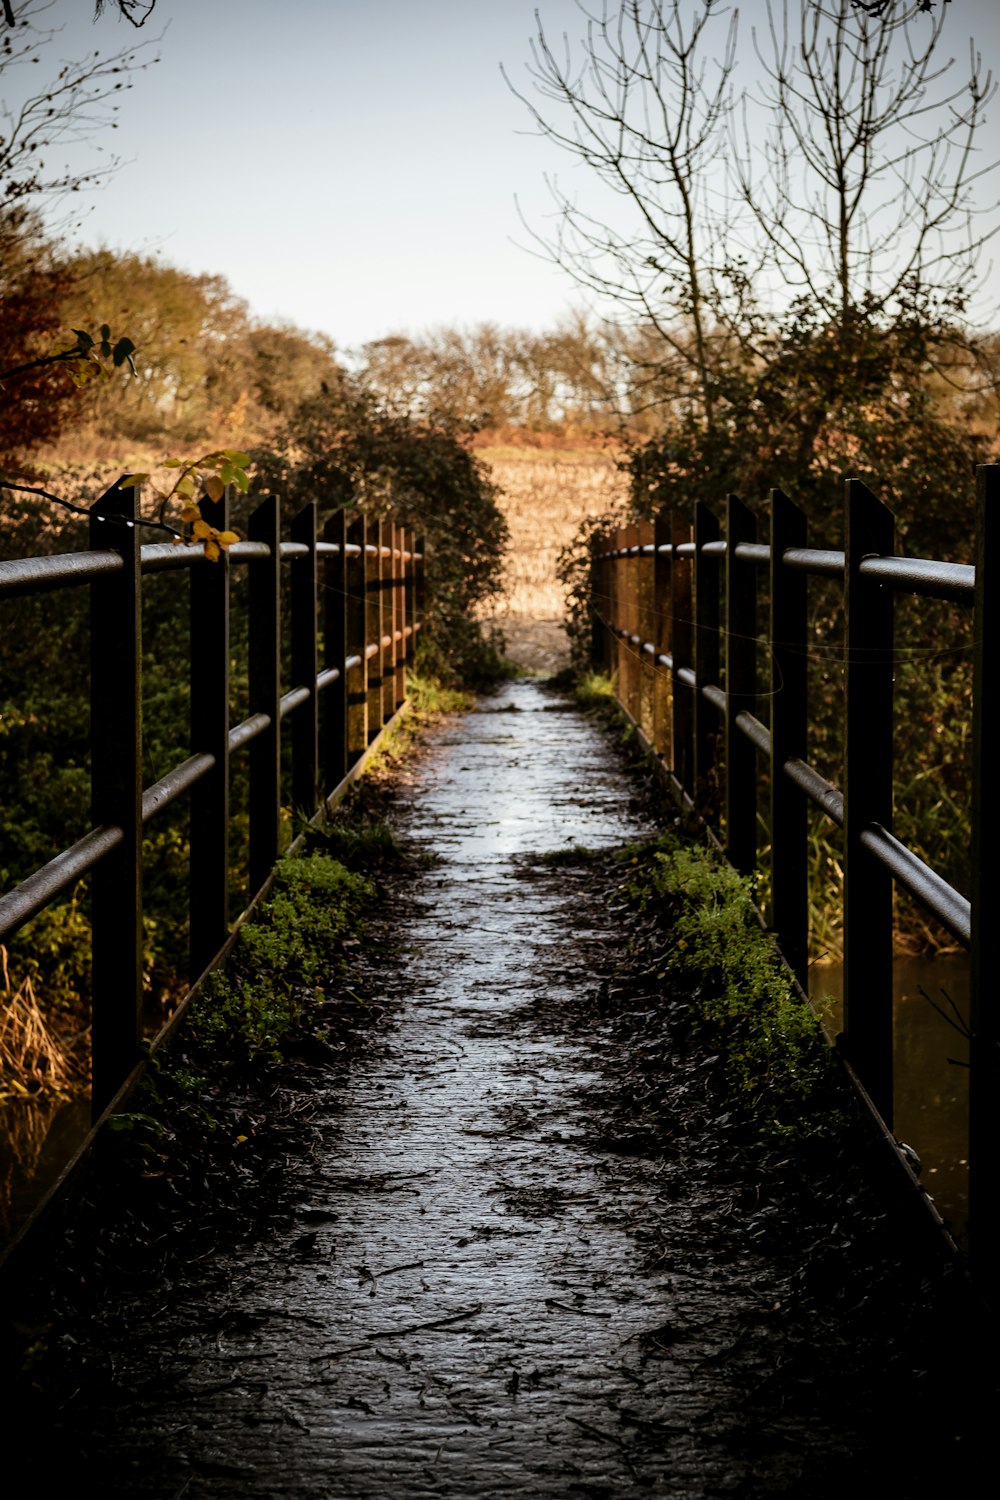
pixel 227 538
pixel 214 487
pixel 185 487
pixel 212 551
pixel 201 529
pixel 132 480
pixel 191 513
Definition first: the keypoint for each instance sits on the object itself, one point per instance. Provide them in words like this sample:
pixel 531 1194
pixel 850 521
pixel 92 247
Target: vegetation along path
pixel 530 1252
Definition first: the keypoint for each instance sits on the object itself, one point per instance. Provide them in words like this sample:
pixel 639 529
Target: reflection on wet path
pixel 464 1305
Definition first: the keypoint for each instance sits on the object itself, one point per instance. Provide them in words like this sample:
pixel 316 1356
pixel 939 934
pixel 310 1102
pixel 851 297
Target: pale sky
pixel 352 165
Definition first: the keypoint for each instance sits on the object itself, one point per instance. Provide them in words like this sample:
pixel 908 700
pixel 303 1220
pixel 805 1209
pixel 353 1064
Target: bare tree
pixel 78 104
pixel 861 182
pixel 136 12
pixel 847 203
pixel 645 109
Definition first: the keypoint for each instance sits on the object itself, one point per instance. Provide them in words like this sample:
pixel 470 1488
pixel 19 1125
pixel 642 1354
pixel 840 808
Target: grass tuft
pixel 741 994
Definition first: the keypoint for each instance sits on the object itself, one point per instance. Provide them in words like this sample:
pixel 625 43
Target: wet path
pixel 463 1305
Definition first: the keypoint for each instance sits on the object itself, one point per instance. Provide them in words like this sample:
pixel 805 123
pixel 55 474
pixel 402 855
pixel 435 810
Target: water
pixel 931 1096
pixel 37 1138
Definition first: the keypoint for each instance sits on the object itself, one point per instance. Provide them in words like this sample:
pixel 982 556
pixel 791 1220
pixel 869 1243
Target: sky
pixel 356 167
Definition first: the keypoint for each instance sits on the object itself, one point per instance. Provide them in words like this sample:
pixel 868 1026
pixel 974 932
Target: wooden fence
pixel 675 621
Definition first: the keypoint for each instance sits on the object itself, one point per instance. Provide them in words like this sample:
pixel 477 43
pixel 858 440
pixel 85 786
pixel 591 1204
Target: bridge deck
pixel 489 1289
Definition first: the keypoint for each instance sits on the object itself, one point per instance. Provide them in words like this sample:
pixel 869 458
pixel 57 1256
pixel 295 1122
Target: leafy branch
pixel 208 474
pixel 84 359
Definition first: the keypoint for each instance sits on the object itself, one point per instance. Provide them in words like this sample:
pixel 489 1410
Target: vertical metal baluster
pixel 403 542
pixel 597 637
pixel 209 840
pixel 389 622
pixel 789 664
pixel 335 582
pixel 617 659
pixel 741 690
pixel 357 628
pixel 646 627
pixel 984 1017
pixel 868 608
pixel 265 694
pixel 706 654
pixel 682 635
pixel 373 629
pixel 663 700
pixel 116 795
pixel 305 663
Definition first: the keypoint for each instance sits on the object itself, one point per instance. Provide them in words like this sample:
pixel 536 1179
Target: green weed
pixel 572 855
pixel 282 960
pixel 595 690
pixel 741 994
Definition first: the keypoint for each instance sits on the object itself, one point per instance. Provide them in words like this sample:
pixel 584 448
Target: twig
pixel 81 510
pixel 961 1025
pixel 585 1312
pixel 398 1333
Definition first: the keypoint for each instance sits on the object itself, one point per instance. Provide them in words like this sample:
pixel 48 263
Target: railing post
pixel 373 628
pixel 984 1016
pixel 116 795
pixel 662 697
pixel 265 694
pixel 209 879
pixel 403 539
pixel 646 628
pixel 629 689
pixel 334 740
pixel 868 608
pixel 741 690
pixel 616 612
pixel 305 663
pixel 357 628
pixel 789 661
pixel 389 544
pixel 706 652
pixel 419 589
pixel 682 635
pixel 598 603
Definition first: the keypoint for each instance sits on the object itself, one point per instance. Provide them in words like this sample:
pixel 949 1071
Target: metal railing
pixel 675 622
pixel 364 620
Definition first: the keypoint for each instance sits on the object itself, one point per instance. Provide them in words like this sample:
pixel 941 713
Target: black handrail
pixel 338 706
pixel 658 622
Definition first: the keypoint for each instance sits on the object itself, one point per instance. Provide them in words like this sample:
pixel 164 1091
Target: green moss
pixel 282 959
pixel 742 995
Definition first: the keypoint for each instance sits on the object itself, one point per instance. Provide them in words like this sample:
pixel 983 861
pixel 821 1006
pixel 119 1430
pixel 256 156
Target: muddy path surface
pixel 492 1278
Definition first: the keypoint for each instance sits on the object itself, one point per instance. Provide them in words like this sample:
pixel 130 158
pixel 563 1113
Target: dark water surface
pixel 931 1096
